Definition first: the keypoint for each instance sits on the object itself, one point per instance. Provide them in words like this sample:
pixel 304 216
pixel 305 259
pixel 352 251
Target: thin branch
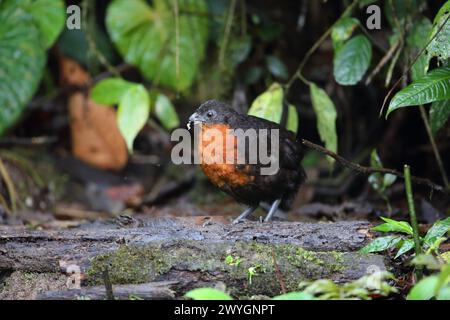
pixel 229 23
pixel 382 62
pixel 86 4
pixel 278 273
pixel 369 170
pixel 434 146
pixel 298 72
pixel 177 37
pixel 9 186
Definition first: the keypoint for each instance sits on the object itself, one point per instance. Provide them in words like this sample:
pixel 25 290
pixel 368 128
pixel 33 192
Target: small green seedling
pixel 253 271
pixel 233 261
pixel 403 237
pixel 380 182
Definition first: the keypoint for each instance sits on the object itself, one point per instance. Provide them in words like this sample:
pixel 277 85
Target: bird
pixel 245 182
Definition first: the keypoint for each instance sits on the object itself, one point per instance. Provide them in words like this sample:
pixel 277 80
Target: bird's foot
pixel 244 214
pixel 272 210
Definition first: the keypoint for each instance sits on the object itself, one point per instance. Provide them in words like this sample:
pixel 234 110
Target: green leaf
pixel 269 106
pixel 394 226
pixel 207 294
pixel 326 117
pixel 434 86
pixel 276 67
pixel 294 296
pixel 424 289
pixel 342 30
pixel 50 18
pixel 416 41
pixel 444 294
pixel 166 113
pixel 437 230
pixel 132 114
pixel 440 45
pixel 352 60
pixel 405 247
pixel 147 37
pixel 110 91
pixel 22 60
pixel 381 244
pixel 439 114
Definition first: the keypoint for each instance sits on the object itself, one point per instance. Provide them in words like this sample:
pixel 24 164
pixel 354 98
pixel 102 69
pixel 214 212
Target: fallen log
pixel 144 291
pixel 197 252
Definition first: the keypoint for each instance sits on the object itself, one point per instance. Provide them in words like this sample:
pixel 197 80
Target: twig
pixel 382 62
pixel 120 69
pixel 108 285
pixel 412 215
pixel 177 37
pixel 9 186
pixel 226 35
pixel 433 146
pixel 298 72
pixel 32 141
pixel 278 273
pixel 86 4
pixel 369 170
pixel 405 73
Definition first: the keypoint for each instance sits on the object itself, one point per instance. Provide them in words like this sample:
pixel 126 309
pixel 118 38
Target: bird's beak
pixel 195 118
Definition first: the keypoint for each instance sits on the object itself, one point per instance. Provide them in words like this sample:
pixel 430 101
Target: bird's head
pixel 211 112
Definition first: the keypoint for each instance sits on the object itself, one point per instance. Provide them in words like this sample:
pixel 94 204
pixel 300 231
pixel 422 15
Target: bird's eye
pixel 210 114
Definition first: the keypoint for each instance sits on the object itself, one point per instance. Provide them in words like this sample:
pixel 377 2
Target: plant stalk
pixel 413 217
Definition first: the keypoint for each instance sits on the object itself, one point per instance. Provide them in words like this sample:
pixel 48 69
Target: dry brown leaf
pixel 96 138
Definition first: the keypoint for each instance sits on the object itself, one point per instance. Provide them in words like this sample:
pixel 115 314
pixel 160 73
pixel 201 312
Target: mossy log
pixel 249 258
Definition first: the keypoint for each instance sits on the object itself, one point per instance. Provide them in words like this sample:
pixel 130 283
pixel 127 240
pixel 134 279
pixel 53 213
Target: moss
pixel 130 264
pixel 152 262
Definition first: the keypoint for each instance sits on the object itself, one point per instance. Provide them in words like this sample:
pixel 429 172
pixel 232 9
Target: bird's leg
pixel 245 214
pixel 272 210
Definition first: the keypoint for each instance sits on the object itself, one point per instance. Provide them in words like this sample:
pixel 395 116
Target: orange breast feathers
pixel 217 149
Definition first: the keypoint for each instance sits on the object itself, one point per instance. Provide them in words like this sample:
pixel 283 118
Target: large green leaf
pixel 22 59
pixel 352 60
pixel 133 112
pixel 440 45
pixel 326 117
pixel 166 113
pixel 439 114
pixel 269 106
pixel 148 38
pixel 207 294
pixel 110 91
pixel 50 18
pixel 416 41
pixel 435 86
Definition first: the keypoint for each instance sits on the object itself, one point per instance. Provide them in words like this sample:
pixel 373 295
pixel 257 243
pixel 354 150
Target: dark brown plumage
pixel 244 182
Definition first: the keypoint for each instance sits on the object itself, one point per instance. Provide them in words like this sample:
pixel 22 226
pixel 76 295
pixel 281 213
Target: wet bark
pixel 195 252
